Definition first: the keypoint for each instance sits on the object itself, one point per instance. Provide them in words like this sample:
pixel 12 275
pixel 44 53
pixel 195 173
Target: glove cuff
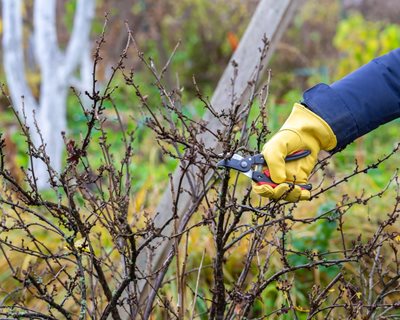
pixel 304 121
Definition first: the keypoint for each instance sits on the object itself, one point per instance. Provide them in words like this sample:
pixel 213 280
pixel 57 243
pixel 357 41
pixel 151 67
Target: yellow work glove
pixel 303 130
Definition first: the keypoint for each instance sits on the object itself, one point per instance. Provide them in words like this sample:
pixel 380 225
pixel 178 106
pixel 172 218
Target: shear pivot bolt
pixel 243 164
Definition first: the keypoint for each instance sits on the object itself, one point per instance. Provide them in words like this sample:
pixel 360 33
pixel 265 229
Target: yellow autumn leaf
pixel 142 195
pixel 397 239
pixel 301 309
pixel 81 245
pixel 28 262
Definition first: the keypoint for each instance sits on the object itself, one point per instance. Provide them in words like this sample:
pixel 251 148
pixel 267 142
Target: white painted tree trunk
pixel 56 70
pixel 13 59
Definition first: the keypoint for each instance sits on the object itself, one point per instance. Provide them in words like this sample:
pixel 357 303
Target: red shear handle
pixel 264 178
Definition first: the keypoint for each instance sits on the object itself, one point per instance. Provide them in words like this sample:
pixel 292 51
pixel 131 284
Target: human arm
pixel 330 117
pixel 361 101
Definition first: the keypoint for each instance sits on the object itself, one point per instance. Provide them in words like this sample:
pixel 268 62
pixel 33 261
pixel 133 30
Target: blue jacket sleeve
pixel 361 101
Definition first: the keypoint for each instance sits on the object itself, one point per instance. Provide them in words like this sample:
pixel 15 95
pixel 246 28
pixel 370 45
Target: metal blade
pixel 248 174
pixel 237 157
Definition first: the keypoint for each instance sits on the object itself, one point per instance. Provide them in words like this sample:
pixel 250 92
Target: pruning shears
pixel 244 165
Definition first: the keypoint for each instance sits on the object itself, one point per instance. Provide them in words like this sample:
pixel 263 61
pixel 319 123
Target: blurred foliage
pixel 207 33
pixel 358 41
pixel 306 54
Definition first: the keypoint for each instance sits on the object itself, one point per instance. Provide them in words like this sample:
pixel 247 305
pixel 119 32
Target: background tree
pixel 46 116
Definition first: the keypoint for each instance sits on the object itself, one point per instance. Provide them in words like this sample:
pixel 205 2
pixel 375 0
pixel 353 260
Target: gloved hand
pixel 303 130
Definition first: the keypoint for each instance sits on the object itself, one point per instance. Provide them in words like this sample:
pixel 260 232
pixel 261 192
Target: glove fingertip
pixel 280 190
pixel 297 194
pixel 263 190
pixel 305 194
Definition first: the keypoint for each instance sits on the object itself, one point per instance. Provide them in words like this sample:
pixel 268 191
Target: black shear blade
pixel 242 164
pixel 236 163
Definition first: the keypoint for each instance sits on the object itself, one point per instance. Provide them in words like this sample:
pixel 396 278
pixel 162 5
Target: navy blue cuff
pixel 361 101
pixel 326 103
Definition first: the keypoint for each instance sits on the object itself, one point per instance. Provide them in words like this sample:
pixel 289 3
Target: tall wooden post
pixel 270 19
